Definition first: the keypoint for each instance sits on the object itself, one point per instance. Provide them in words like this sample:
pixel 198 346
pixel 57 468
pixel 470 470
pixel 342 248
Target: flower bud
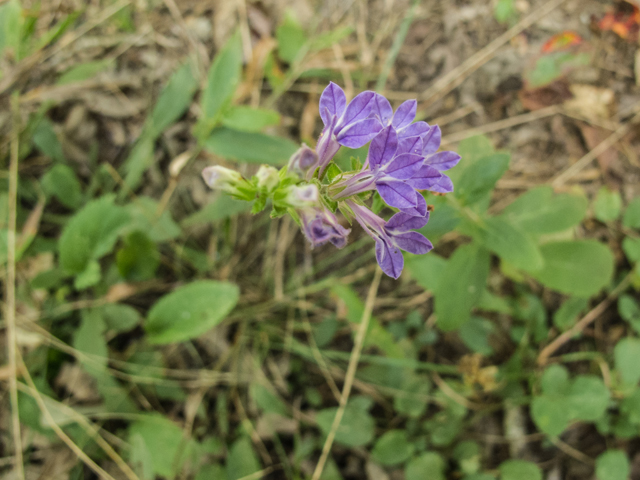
pixel 303 196
pixel 221 178
pixel 304 159
pixel 268 178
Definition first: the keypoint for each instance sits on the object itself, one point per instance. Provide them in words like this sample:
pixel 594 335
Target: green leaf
pixel 550 414
pixel 139 258
pixel 504 10
pixel 409 402
pixel 539 211
pixel 461 286
pixel 467 454
pixel 479 178
pixel 613 465
pixel 291 37
pixel 607 205
pixel 565 317
pixel 473 149
pixel 519 470
pixel 327 39
pixel 552 66
pixel 475 335
pixel 118 317
pixel 223 207
pixel 428 466
pixel 444 219
pixel 266 400
pixel 144 217
pixel 631 218
pixel 631 248
pixel 630 406
pixel 626 354
pixel 356 429
pixel 11 21
pixel 190 311
pixel 84 71
pixel 222 80
pixel 174 100
pixel 555 380
pixel 250 147
pixel 91 233
pixel 89 277
pixel 242 460
pixel 508 242
pixel 589 398
pixel 426 269
pixel 62 183
pixel 630 311
pixel 247 119
pixel 46 140
pixel 140 158
pixel 392 448
pixel 580 268
pixel 89 339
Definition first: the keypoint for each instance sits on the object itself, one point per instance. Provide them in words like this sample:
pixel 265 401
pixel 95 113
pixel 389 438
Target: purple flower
pixel 302 160
pixel 320 226
pixel 348 125
pixel 389 168
pixel 402 119
pixel 392 236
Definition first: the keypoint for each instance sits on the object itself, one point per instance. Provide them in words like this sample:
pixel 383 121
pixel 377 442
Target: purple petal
pixel 382 109
pixel 444 185
pixel 425 178
pixel 358 109
pixel 413 130
pixel 420 210
pixel 389 258
pixel 442 160
pixel 397 194
pixel 359 133
pixel 410 145
pixel 383 147
pixel 403 222
pixel 332 100
pixel 431 140
pixel 404 166
pixel 405 114
pixel 412 242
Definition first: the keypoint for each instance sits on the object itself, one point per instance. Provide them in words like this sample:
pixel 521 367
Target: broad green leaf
pixel 426 269
pixel 444 219
pixel 140 158
pixel 291 37
pixel 223 207
pixel 392 448
pixel 473 149
pixel 119 317
pixel 61 182
pixel 89 339
pixel 190 311
pixel 250 147
pixel 613 465
pixel 467 454
pixel 519 470
pixel 144 217
pixel 174 100
pixel 580 268
pixel 555 380
pixel 630 311
pixel 164 441
pixel 565 317
pixel 247 119
pixel 356 429
pixel 242 460
pixel 504 10
pixel 46 140
pixel 91 233
pixel 210 472
pixel 266 400
pixel 550 414
pixel 508 242
pixel 461 286
pixel 428 466
pixel 411 402
pixel 589 398
pixel 89 277
pixel 626 354
pixel 84 71
pixel 631 218
pixel 222 80
pixel 479 178
pixel 139 258
pixel 630 406
pixel 539 211
pixel 11 21
pixel 607 205
pixel 631 248
pixel 475 335
pixel 140 457
pixel 327 39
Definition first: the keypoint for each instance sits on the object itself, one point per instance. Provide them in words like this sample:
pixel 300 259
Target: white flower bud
pixel 221 178
pixel 268 178
pixel 303 196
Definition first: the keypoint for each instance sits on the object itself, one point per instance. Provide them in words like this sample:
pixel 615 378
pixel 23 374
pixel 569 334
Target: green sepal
pixel 333 172
pixel 329 203
pixel 277 211
pixel 378 204
pixel 295 216
pixel 260 204
pixel 356 164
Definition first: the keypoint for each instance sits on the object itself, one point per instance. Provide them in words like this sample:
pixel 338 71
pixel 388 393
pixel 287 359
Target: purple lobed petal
pixel 425 178
pixel 389 258
pixel 417 129
pixel 420 210
pixel 397 194
pixel 358 109
pixel 383 147
pixel 444 185
pixel 431 140
pixel 405 114
pixel 403 222
pixel 442 160
pixel 404 166
pixel 412 242
pixel 382 109
pixel 410 145
pixel 359 133
pixel 333 101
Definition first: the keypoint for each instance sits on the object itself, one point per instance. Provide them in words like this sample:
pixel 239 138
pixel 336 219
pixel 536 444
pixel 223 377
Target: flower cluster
pixel 402 161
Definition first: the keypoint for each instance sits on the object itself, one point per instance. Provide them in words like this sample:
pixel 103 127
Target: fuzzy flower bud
pixel 222 178
pixel 268 178
pixel 303 196
pixel 303 160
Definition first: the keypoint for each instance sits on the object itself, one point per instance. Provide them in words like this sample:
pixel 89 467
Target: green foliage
pixel 428 466
pixel 61 182
pixel 242 460
pixel 607 205
pixel 504 10
pixel 291 38
pixel 519 470
pixel 392 448
pixel 250 147
pixel 631 218
pixel 479 178
pixel 139 258
pixel 357 427
pixel 626 354
pixel 554 65
pixel 613 465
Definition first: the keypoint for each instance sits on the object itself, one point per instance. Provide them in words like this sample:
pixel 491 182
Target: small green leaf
pixel 504 10
pixel 626 354
pixel 291 37
pixel 428 466
pixel 11 22
pixel 607 205
pixel 392 448
pixel 139 258
pixel 552 66
pixel 566 316
pixel 555 380
pixel 190 311
pixel 613 465
pixel 144 217
pixel 426 269
pixel 461 286
pixel 631 218
pixel 84 71
pixel 589 398
pixel 242 460
pixel 89 277
pixel 519 470
pixel 475 335
pixel 444 219
pixel 118 317
pixel 223 207
pixel 247 119
pixel 580 268
pixel 467 454
pixel 630 406
pixel 61 182
pixel 630 311
pixel 250 147
pixel 411 401
pixel 46 140
pixel 479 178
pixel 631 248
pixel 356 429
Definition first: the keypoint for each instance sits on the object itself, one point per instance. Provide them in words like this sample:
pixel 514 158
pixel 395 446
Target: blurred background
pixel 154 329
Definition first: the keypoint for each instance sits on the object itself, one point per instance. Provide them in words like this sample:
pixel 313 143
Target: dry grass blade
pixel 456 76
pixel 10 293
pixel 351 372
